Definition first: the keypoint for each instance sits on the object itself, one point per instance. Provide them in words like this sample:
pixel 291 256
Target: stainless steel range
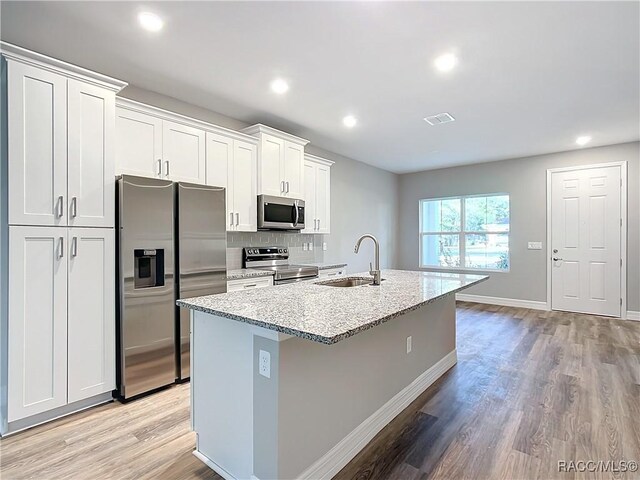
pixel 277 260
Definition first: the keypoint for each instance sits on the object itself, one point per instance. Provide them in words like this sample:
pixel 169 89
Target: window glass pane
pixel 487 214
pixel 441 250
pixel 441 215
pixel 490 250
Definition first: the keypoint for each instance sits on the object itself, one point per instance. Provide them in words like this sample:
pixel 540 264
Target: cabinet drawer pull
pixel 159 167
pixel 237 219
pixel 251 285
pixel 332 274
pixel 282 186
pixel 74 247
pixel 60 206
pixel 61 251
pixel 287 186
pixel 318 224
pixel 231 219
pixel 166 164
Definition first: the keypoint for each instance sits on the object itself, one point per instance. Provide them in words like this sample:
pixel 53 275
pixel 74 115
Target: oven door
pixel 280 213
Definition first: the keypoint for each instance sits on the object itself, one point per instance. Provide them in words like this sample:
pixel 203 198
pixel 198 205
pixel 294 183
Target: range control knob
pixel 279 250
pixel 285 250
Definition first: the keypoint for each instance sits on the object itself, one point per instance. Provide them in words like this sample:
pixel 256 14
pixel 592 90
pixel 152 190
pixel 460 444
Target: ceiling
pixel 531 76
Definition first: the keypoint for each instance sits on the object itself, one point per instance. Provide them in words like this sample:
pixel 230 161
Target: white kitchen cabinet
pixel 249 283
pixel 91 312
pixel 280 162
pixel 37 344
pixel 138 143
pixel 37 145
pixel 231 163
pixel 152 142
pixel 91 155
pixel 317 179
pixel 183 153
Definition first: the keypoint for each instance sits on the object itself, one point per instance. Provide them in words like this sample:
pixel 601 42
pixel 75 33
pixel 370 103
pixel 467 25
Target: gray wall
pixel 525 180
pixel 364 199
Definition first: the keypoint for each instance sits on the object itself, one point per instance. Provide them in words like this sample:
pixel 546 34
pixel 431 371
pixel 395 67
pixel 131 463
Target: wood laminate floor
pixel 530 388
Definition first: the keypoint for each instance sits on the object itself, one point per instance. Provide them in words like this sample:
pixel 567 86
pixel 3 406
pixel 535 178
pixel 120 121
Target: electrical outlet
pixel 534 245
pixel 409 344
pixel 264 364
pixel 310 246
pixel 304 246
pixel 324 246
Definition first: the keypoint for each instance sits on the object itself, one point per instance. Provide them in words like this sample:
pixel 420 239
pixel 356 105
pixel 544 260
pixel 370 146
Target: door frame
pixel 623 228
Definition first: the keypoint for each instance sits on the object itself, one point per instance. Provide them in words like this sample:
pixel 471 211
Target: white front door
pixel 586 240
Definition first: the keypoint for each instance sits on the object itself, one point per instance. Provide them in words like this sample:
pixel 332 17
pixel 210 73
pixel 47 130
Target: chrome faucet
pixel 375 273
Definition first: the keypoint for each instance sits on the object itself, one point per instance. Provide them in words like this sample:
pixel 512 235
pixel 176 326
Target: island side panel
pixel 326 391
pixel 222 390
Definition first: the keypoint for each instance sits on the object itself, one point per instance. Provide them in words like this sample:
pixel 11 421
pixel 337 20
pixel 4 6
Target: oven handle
pixel 295 208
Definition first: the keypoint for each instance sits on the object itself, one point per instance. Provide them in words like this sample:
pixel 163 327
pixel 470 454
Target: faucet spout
pixel 374 271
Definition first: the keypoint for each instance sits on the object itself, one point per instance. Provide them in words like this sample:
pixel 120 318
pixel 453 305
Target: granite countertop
pixel 247 273
pixel 327 314
pixel 326 266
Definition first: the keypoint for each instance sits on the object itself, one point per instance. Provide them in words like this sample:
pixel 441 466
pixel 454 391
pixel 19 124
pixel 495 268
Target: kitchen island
pixel 293 381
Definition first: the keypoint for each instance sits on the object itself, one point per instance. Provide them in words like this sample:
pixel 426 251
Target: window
pixel 466 233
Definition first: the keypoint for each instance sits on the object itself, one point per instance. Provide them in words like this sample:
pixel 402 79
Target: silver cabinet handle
pixel 282 186
pixel 287 186
pixel 61 252
pixel 166 164
pixel 159 167
pixel 315 224
pixel 318 224
pixel 237 219
pixel 251 285
pixel 74 207
pixel 74 247
pixel 231 219
pixel 60 206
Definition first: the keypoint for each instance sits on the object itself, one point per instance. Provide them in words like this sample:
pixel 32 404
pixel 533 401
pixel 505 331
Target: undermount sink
pixel 347 282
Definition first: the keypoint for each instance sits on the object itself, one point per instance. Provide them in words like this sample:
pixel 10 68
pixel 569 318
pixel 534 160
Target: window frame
pixel 461 234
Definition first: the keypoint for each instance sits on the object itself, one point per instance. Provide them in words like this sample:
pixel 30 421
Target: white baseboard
pixel 343 452
pixel 503 302
pixel 213 466
pixel 633 315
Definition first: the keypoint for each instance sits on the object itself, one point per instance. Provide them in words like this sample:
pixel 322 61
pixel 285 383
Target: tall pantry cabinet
pixel 59 189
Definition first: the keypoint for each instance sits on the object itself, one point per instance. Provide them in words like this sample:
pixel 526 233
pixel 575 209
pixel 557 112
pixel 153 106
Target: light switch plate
pixel 310 246
pixel 264 364
pixel 534 245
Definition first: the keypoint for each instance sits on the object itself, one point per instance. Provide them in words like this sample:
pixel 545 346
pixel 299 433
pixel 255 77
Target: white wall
pixel 525 181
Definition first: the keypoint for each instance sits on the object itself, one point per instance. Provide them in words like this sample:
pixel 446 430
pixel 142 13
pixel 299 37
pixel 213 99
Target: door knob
pixel 555 259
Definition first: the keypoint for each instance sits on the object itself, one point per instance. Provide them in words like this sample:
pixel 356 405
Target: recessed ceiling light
pixel 279 86
pixel 446 62
pixel 350 121
pixel 150 21
pixel 583 140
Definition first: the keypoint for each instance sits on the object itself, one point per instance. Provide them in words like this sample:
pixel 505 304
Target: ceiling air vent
pixel 439 118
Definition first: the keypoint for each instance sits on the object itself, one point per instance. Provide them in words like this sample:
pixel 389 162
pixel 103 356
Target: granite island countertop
pixel 328 314
pixel 241 273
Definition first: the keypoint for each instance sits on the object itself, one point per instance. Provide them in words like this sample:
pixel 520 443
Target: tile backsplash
pixel 236 241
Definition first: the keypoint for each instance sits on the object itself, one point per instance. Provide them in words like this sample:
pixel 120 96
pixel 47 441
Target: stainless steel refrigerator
pixel 163 228
pixel 201 264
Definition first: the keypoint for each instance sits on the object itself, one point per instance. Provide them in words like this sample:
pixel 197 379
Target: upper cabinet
pixel 280 162
pixel 155 143
pixel 60 145
pixel 317 186
pixel 231 163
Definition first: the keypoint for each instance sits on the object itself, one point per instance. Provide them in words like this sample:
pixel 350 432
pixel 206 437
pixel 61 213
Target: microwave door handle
pixel 295 209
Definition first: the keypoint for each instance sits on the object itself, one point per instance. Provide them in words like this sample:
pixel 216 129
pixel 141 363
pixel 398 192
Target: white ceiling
pixel 531 76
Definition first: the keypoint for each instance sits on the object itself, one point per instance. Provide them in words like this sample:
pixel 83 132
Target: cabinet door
pixel 323 198
pixel 294 170
pixel 183 153
pixel 138 143
pixel 37 343
pixel 91 312
pixel 91 166
pixel 37 146
pixel 245 208
pixel 219 168
pixel 270 176
pixel 310 219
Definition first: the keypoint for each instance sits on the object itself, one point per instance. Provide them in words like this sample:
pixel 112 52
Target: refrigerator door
pixel 146 313
pixel 202 255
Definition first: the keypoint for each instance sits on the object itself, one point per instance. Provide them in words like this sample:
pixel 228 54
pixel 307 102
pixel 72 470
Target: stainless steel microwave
pixel 280 213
